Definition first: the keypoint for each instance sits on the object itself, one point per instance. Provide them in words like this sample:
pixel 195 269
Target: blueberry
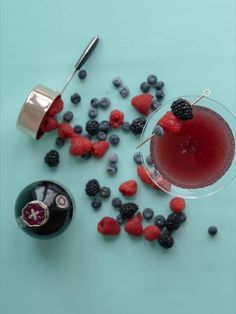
pixel 119 219
pixel 158 130
pixel 94 102
pixel 82 74
pixel 116 202
pixel 88 136
pixel 105 192
pixel 101 136
pixel 113 158
pixel 155 104
pixel 112 169
pixel 117 81
pixel 104 126
pixel 75 98
pixel 148 213
pixel 126 126
pixel 86 156
pixel 104 102
pixel 152 79
pixel 124 91
pixel 160 94
pixel 145 87
pixel 159 85
pixel 182 217
pixel 212 230
pixel 92 113
pixel 114 139
pixel 60 142
pixel 149 160
pixel 96 203
pixel 160 221
pixel 68 116
pixel 78 129
pixel 137 158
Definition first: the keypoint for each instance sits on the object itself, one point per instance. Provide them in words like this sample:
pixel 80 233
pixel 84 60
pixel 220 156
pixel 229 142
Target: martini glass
pixel 199 160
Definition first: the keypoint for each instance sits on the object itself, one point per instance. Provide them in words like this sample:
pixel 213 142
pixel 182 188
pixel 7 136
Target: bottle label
pixel 62 201
pixel 35 214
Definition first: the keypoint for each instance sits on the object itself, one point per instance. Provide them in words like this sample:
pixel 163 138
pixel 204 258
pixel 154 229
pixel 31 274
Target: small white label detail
pixel 62 201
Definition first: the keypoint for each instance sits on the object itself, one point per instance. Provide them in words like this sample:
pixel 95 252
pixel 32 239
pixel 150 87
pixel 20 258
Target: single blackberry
pixel 137 125
pixel 52 158
pixel 165 240
pixel 92 187
pixel 127 210
pixel 182 109
pixel 92 127
pixel 173 222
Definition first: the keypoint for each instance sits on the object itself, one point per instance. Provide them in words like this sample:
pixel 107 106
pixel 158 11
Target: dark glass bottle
pixel 44 209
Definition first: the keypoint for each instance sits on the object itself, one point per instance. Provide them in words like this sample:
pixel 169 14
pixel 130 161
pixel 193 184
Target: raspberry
pixel 151 233
pixel 134 226
pixel 128 188
pixel 182 109
pixel 170 123
pixel 52 158
pixel 80 145
pixel 142 103
pixel 143 175
pixel 108 226
pixel 55 107
pixel 137 125
pixel 92 187
pixel 92 127
pixel 177 204
pixel 99 149
pixel 116 118
pixel 65 131
pixel 48 124
pixel 173 222
pixel 127 210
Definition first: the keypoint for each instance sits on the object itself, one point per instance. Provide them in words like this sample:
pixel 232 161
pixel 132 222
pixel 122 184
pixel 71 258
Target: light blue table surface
pixel 188 44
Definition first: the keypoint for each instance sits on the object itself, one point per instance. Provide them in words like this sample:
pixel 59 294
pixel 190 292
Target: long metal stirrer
pixel 205 93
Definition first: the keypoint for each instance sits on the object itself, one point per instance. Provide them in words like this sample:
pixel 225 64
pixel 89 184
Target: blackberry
pixel 173 222
pixel 137 125
pixel 127 210
pixel 182 109
pixel 92 187
pixel 92 127
pixel 165 240
pixel 52 158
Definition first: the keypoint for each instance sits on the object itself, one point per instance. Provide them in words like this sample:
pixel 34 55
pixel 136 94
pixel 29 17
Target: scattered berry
pixel 159 94
pixel 152 79
pixel 124 91
pixel 128 188
pixel 116 202
pixel 55 107
pixel 52 158
pixel 170 123
pixel 134 226
pixel 65 130
pixel 165 240
pixel 104 126
pixel 75 98
pixel 94 102
pixel 105 192
pixel 143 175
pixel 82 74
pixel 78 129
pixel 182 109
pixel 99 149
pixel 113 158
pixel 104 102
pixel 149 160
pixel 151 233
pixel 162 183
pixel 127 210
pixel 155 104
pixel 182 217
pixel 114 139
pixel 80 145
pixel 92 113
pixel 142 103
pixel 60 142
pixel 101 136
pixel 117 81
pixel 159 85
pixel 119 219
pixel 92 187
pixel 148 213
pixel 108 226
pixel 89 136
pixel 177 204
pixel 160 221
pixel 96 203
pixel 137 158
pixel 116 118
pixel 92 127
pixel 86 156
pixel 48 124
pixel 126 126
pixel 145 87
pixel 111 169
pixel 212 230
pixel 68 116
pixel 137 125
pixel 173 222
pixel 158 130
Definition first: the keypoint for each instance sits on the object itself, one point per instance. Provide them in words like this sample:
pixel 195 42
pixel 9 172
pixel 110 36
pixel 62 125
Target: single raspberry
pixel 55 107
pixel 65 131
pixel 116 118
pixel 151 233
pixel 128 188
pixel 177 204
pixel 143 175
pixel 182 109
pixel 134 226
pixel 170 123
pixel 92 187
pixel 49 124
pixel 127 210
pixel 99 148
pixel 80 145
pixel 142 103
pixel 108 226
